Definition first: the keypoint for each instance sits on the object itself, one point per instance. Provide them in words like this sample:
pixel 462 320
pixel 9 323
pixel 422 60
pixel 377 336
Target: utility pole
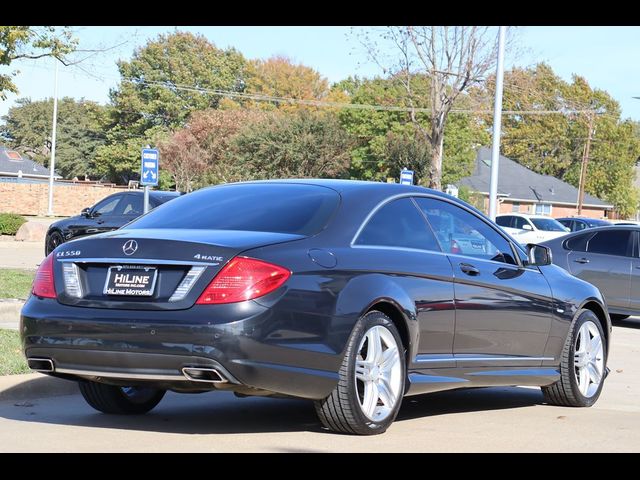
pixel 52 163
pixel 497 121
pixel 585 160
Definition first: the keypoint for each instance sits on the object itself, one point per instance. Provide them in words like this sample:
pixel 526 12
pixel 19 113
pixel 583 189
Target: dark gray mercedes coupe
pixel 351 294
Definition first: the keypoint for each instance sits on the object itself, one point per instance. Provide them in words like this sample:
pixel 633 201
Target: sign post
pixel 148 172
pixel 406 177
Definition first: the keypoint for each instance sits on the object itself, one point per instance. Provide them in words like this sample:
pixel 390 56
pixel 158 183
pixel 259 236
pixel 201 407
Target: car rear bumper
pixel 255 347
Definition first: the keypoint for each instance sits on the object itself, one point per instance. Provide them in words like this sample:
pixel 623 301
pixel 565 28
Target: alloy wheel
pixel 378 373
pixel 588 359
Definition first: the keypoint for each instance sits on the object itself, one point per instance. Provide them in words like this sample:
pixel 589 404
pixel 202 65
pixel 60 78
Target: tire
pixel 344 410
pixel 616 317
pixel 120 400
pixel 569 391
pixel 53 240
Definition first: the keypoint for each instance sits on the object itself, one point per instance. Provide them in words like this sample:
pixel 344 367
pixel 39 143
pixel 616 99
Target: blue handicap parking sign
pixel 406 177
pixel 149 168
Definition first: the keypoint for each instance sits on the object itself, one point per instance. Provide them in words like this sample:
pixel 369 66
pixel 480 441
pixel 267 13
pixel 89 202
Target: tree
pixel 278 76
pixel 554 144
pixel 163 83
pixel 388 141
pixel 453 59
pixel 201 153
pixel 184 159
pixel 24 42
pixel 80 131
pixel 304 144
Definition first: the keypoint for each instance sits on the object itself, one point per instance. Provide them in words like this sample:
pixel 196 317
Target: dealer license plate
pixel 131 280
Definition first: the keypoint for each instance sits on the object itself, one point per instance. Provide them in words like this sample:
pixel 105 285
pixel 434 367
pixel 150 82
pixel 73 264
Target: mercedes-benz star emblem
pixel 130 247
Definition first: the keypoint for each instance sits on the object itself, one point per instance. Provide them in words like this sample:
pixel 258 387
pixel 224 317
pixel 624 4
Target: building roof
pixel 521 184
pixel 11 163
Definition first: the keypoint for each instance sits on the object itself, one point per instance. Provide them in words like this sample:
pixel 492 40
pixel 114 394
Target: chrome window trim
pixel 412 195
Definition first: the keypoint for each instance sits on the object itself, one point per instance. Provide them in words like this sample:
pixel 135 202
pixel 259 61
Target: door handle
pixel 469 269
pixel 581 260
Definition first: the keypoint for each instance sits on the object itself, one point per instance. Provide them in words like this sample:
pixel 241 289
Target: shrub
pixel 10 223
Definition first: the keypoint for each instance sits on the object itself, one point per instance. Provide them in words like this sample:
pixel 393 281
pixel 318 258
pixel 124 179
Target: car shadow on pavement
pixel 468 400
pixel 631 322
pixel 222 413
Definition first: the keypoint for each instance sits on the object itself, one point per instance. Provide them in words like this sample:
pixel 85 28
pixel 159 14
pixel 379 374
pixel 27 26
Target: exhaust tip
pixel 207 375
pixel 41 364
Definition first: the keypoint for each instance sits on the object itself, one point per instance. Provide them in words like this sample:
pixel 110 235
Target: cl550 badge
pixel 68 253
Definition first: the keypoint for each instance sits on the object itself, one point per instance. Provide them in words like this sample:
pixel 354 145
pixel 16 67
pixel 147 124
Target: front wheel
pixel 371 380
pixel 582 365
pixel 52 241
pixel 120 400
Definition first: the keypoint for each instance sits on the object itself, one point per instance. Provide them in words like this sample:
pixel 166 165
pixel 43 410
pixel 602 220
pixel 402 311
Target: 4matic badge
pixel 211 258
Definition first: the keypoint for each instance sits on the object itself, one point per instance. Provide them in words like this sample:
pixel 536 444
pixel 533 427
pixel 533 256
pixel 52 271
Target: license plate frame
pixel 130 289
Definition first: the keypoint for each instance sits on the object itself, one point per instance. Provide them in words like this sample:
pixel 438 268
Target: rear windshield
pixel 280 208
pixel 165 197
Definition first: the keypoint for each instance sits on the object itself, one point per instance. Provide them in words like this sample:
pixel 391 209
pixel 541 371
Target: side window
pixel 610 243
pixel 398 224
pixel 107 206
pixel 460 232
pixel 519 222
pixel 579 226
pixel 568 223
pixel 504 221
pixel 578 243
pixel 133 205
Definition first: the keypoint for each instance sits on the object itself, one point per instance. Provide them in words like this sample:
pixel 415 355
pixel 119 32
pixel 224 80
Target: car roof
pixel 524 215
pixel 588 219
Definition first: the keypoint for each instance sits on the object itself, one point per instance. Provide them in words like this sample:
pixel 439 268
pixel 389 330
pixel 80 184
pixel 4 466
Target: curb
pixel 34 385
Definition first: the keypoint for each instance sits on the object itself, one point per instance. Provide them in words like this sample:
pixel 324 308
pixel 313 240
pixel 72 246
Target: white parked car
pixel 531 228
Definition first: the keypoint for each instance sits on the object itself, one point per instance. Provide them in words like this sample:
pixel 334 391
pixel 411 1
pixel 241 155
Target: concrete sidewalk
pixel 34 385
pixel 26 255
pixel 10 313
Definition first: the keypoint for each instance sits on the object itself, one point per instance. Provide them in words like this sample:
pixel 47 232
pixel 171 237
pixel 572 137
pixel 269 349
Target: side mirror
pixel 567 229
pixel 538 255
pixel 86 212
pixel 526 226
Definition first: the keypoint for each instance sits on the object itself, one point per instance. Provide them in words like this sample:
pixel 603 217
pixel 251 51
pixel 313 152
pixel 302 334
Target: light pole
pixel 52 163
pixel 497 120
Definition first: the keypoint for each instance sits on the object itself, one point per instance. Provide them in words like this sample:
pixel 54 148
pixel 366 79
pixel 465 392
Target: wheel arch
pixel 600 311
pixel 392 310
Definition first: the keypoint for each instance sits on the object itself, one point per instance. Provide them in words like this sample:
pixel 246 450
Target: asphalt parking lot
pixel 479 420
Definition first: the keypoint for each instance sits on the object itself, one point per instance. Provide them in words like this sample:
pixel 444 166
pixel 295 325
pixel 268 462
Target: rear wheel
pixel 53 241
pixel 371 380
pixel 582 365
pixel 120 400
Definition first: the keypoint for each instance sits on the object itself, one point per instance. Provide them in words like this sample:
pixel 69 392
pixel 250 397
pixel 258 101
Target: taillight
pixel 43 285
pixel 455 248
pixel 243 279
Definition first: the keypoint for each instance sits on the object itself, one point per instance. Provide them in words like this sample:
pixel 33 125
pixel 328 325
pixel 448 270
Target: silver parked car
pixel 607 257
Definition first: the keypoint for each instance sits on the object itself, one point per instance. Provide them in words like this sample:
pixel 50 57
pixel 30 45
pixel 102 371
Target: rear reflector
pixel 72 285
pixel 187 282
pixel 43 285
pixel 243 279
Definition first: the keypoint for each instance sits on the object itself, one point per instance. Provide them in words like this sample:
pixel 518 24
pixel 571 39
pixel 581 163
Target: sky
pixel 608 57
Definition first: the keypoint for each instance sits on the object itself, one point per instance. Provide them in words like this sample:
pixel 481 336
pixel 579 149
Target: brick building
pixel 522 190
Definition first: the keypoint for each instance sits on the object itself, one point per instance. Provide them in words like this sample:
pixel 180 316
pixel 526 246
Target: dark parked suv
pixel 575 224
pixel 108 214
